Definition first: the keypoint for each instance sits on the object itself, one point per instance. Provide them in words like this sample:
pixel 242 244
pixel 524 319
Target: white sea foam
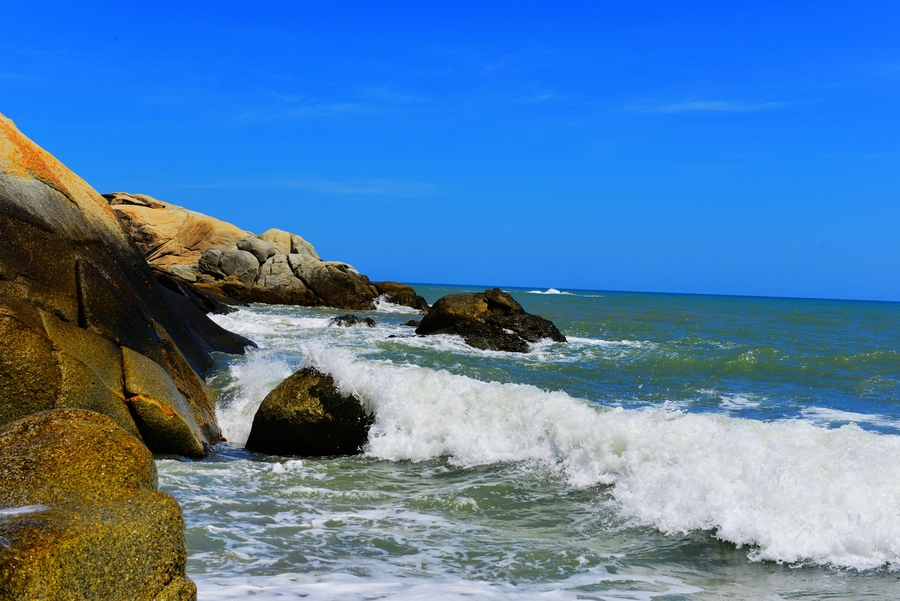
pixel 550 291
pixel 609 343
pixel 737 402
pixel 791 491
pixel 328 586
pixel 384 306
pixel 825 416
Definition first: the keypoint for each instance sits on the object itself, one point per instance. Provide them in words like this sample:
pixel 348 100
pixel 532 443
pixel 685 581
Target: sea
pixel 677 447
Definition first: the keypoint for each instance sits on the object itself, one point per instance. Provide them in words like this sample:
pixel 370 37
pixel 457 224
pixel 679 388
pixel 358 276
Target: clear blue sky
pixel 671 147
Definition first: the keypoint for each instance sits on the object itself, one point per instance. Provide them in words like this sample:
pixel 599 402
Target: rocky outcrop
pixel 351 320
pixel 275 267
pixel 491 320
pixel 81 516
pixel 77 298
pixel 307 416
pixel 401 294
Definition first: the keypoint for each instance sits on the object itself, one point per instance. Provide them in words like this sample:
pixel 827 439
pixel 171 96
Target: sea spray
pixel 629 449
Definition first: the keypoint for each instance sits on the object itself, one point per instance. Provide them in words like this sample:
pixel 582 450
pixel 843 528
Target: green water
pixel 678 447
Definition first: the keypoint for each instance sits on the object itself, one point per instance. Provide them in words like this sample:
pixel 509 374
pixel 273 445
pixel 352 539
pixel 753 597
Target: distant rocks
pixel 81 516
pixel 491 320
pixel 307 416
pixel 274 267
pixel 351 320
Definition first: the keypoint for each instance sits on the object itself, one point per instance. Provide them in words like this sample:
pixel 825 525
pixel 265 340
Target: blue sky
pixel 669 147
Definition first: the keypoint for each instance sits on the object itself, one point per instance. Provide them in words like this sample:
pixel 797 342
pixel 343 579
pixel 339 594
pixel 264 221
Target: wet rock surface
pixel 401 294
pixel 307 416
pixel 81 516
pixel 491 320
pixel 351 320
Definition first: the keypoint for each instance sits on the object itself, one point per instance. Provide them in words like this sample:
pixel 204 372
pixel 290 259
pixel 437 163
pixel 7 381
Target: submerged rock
pixel 351 320
pixel 307 416
pixel 81 516
pixel 491 320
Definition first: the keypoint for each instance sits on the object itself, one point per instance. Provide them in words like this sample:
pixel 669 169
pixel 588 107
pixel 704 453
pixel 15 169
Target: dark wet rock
pixel 412 323
pixel 401 294
pixel 351 320
pixel 307 416
pixel 491 320
pixel 81 514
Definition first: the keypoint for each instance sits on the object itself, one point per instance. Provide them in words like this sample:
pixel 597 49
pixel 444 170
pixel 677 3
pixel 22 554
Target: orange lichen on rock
pixel 22 157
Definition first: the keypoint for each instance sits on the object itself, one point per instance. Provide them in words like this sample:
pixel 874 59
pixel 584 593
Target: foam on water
pixel 788 491
pixel 350 587
pixel 550 291
pixel 384 306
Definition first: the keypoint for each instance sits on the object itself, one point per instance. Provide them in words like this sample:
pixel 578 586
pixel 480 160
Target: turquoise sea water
pixel 678 447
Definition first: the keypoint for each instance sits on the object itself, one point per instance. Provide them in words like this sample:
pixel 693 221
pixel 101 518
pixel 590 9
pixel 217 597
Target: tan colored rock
pixel 171 235
pixel 73 287
pixel 90 372
pixel 215 256
pixel 287 243
pixel 164 417
pixel 82 516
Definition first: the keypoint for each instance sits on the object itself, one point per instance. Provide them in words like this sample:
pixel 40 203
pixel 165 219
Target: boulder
pixel 81 516
pixel 307 416
pixel 76 292
pixel 491 320
pixel 260 249
pixel 351 320
pixel 401 294
pixel 212 255
pixel 287 243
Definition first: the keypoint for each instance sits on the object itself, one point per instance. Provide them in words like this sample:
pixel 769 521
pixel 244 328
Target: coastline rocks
pixel 351 320
pixel 401 294
pixel 307 416
pixel 81 516
pixel 491 320
pixel 76 294
pixel 275 267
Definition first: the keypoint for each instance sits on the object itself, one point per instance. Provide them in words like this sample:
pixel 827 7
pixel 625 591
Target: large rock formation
pixel 84 322
pixel 491 320
pixel 81 516
pixel 275 267
pixel 306 415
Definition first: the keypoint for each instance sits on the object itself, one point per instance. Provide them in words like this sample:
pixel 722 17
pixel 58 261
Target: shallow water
pixel 677 447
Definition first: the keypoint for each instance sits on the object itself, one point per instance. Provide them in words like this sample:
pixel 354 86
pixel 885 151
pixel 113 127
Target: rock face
pixel 491 320
pixel 275 267
pixel 307 416
pixel 78 301
pixel 81 516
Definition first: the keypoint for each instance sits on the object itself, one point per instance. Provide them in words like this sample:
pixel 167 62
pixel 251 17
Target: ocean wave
pixel 790 491
pixel 551 291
